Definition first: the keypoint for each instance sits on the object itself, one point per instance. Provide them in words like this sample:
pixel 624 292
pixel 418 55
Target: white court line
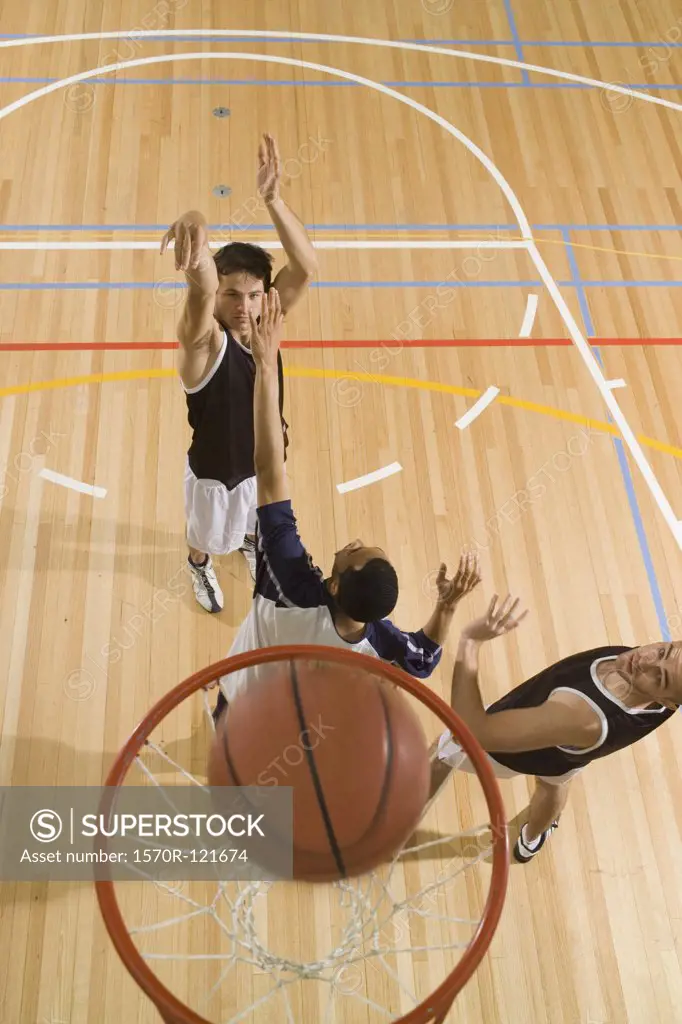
pixel 369 478
pixel 593 366
pixel 529 318
pixel 477 408
pixel 357 40
pixel 524 225
pixel 326 243
pixel 620 383
pixel 74 485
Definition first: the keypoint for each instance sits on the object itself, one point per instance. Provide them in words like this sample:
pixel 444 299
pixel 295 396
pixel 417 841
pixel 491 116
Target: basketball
pixel 351 747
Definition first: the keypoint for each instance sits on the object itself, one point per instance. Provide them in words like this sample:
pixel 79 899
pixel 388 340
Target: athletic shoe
pixel 248 549
pixel 206 587
pixel 525 850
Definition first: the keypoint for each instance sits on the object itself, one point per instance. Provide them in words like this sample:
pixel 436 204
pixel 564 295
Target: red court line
pixel 126 346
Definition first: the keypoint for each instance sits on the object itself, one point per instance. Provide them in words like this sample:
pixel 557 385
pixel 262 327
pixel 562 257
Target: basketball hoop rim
pixel 443 997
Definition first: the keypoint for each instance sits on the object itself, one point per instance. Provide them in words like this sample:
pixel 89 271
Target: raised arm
pixel 293 279
pixel 197 331
pixel 547 725
pixel 450 593
pixel 271 479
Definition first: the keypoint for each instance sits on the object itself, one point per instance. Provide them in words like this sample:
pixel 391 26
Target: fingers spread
pixel 165 240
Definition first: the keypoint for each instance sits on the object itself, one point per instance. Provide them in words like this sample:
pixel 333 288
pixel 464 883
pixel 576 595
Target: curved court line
pixel 358 40
pixel 483 158
pixel 574 330
pixel 312 373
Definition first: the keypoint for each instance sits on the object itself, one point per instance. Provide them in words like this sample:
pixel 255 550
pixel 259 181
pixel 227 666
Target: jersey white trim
pixel 212 372
pixel 422 652
pixel 595 708
pixel 623 707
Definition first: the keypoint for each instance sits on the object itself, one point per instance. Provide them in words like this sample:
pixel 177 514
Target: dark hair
pixel 247 258
pixel 370 593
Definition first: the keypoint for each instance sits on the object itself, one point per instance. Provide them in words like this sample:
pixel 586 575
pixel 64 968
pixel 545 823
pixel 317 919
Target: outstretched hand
pixel 497 621
pixel 191 242
pixel 467 578
pixel 269 170
pixel 266 332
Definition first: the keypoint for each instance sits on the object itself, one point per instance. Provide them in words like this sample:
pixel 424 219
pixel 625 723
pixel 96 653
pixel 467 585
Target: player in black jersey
pixel 586 706
pixel 217 372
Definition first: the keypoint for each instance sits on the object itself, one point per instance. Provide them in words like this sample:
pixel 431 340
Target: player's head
pixel 654 671
pixel 363 583
pixel 244 275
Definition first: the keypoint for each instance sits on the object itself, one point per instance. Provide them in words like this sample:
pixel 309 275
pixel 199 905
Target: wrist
pixel 193 217
pixel 445 609
pixel 466 640
pixel 267 365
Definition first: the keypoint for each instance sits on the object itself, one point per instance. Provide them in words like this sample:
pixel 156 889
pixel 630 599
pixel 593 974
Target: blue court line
pixel 9 286
pixel 626 473
pixel 585 44
pixel 518 46
pixel 351 227
pixel 115 79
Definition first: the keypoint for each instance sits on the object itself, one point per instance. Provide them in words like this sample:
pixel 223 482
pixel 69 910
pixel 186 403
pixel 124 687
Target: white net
pixel 360 950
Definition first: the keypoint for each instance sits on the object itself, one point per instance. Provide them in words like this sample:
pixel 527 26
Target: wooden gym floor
pixel 402 342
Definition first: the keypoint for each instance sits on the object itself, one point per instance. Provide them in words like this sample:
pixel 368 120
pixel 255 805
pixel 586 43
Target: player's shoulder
pixel 586 658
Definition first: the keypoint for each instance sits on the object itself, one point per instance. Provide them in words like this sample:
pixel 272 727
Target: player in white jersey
pixel 293 603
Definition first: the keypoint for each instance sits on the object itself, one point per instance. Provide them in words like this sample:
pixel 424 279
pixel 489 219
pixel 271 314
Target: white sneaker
pixel 206 587
pixel 525 849
pixel 248 549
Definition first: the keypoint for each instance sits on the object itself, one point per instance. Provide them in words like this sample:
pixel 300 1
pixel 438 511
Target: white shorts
pixel 451 752
pixel 218 519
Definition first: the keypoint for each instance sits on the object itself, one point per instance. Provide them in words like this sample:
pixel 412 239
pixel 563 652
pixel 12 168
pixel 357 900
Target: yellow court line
pixel 91 378
pixel 315 374
pixel 584 245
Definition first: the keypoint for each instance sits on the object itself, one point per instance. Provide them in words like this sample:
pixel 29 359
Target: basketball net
pixel 401 941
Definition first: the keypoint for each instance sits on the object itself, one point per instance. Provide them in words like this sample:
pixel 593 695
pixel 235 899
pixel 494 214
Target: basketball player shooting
pixel 292 602
pixel 217 373
pixel 586 706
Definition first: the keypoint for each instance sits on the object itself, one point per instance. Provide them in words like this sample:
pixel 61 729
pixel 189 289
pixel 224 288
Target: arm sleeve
pixel 285 572
pixel 415 653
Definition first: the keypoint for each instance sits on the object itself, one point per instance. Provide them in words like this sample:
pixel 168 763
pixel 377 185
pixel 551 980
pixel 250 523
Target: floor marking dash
pixel 477 408
pixel 529 318
pixel 369 478
pixel 74 485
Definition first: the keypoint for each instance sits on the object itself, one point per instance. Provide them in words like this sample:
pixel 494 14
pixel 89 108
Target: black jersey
pixel 621 726
pixel 220 413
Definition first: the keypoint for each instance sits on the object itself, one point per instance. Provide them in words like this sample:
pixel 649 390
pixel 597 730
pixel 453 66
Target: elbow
pixel 310 269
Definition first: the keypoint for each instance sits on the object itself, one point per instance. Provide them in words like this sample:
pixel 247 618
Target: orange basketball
pixel 348 743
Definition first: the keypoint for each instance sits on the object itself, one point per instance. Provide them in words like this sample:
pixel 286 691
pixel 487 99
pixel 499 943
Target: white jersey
pixel 291 605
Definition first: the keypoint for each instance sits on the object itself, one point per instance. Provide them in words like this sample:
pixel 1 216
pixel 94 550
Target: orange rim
pixel 443 997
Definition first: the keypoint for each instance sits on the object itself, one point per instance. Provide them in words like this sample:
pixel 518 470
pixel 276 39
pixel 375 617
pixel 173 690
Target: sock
pixel 199 565
pixel 530 843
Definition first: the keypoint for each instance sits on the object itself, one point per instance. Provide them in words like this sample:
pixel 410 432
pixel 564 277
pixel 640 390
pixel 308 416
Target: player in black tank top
pixel 217 370
pixel 584 707
pixel 223 408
